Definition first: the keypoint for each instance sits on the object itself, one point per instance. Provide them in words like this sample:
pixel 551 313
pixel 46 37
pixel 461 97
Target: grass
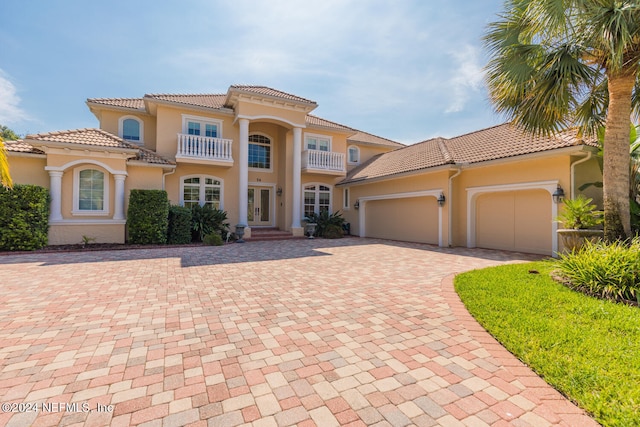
pixel 586 348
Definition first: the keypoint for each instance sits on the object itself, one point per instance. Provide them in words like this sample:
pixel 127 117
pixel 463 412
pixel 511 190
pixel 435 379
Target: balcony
pixel 323 162
pixel 204 150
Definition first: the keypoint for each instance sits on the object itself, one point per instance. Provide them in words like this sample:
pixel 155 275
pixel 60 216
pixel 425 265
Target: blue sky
pixel 407 70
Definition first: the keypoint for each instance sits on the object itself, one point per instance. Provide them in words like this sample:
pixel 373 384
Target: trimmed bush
pixel 605 270
pixel 148 217
pixel 333 231
pixel 24 217
pixel 213 239
pixel 179 231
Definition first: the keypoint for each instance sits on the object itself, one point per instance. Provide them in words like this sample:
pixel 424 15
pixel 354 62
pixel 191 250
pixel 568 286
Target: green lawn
pixel 586 348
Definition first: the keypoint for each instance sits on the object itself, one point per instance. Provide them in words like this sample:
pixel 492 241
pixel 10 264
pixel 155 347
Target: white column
pixel 297 171
pixel 118 209
pixel 243 180
pixel 55 190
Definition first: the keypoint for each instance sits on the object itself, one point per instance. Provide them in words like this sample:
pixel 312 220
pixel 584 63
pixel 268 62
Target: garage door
pixel 412 219
pixel 515 221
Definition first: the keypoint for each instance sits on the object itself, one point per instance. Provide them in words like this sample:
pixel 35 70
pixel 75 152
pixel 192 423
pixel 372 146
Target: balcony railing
pixel 204 148
pixel 323 161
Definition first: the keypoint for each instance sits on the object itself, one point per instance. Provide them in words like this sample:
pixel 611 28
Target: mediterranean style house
pixel 259 154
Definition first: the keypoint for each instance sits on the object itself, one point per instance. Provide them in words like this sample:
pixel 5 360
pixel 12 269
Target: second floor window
pixel 204 129
pixel 259 152
pixel 317 143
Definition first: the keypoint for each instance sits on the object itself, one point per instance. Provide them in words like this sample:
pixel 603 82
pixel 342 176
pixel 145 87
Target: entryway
pixel 259 210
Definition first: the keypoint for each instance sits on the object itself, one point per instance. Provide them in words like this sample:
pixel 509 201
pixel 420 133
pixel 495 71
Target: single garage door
pixel 515 221
pixel 413 219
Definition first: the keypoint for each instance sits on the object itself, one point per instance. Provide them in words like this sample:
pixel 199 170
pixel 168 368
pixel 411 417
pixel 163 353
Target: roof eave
pixel 149 100
pixel 77 146
pixel 432 169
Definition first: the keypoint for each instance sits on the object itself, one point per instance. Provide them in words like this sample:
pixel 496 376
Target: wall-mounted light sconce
pixel 558 195
pixel 279 191
pixel 441 200
pixel 357 204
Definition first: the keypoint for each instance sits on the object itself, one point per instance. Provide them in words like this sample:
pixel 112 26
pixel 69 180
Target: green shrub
pixel 333 231
pixel 24 217
pixel 207 220
pixel 148 217
pixel 323 220
pixel 179 230
pixel 213 239
pixel 606 270
pixel 579 213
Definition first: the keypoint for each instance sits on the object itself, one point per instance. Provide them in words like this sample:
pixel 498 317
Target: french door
pixel 259 209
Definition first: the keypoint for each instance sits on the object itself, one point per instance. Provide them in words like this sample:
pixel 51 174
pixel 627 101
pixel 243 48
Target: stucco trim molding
pixel 428 193
pixel 88 222
pixel 273 118
pixel 85 161
pixel 474 192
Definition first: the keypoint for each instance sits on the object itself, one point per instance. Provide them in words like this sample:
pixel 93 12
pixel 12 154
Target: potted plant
pixel 580 219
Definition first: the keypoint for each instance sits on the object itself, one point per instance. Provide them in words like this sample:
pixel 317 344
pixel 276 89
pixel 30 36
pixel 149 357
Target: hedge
pixel 24 217
pixel 148 217
pixel 179 225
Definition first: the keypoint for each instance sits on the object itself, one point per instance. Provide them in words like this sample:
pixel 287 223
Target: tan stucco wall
pixel 366 153
pixel 266 112
pixel 28 170
pixel 110 122
pixel 588 172
pixel 72 233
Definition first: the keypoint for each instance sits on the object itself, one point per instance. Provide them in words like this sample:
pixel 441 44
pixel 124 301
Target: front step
pixel 259 234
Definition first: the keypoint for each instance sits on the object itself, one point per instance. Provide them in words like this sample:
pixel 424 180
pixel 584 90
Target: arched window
pixel 131 129
pixel 259 151
pixel 317 198
pixel 354 154
pixel 91 192
pixel 201 190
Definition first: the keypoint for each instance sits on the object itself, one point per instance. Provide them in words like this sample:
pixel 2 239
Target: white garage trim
pixel 430 193
pixel 474 192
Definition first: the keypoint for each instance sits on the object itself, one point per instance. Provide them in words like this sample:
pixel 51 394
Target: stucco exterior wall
pixel 28 170
pixel 110 122
pixel 64 234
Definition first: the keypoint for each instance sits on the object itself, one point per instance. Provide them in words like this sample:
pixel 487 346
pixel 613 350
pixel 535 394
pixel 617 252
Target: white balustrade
pixel 323 160
pixel 204 147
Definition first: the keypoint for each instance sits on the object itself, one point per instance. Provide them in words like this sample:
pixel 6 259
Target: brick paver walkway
pixel 301 332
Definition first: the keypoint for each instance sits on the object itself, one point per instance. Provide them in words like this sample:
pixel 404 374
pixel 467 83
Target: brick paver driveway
pixel 303 332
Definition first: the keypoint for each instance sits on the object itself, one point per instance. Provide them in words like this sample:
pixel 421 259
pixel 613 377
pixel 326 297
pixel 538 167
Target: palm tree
pixel 558 64
pixel 5 178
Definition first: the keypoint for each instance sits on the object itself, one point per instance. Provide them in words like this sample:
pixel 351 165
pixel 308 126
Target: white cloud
pixel 467 78
pixel 10 111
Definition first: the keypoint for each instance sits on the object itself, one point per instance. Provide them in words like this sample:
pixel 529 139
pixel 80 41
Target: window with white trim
pixel 131 129
pixel 353 155
pixel 201 126
pixel 317 199
pixel 201 190
pixel 317 142
pixel 91 191
pixel 259 151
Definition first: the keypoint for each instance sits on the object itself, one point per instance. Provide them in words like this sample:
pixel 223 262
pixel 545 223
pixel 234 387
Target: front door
pixel 259 211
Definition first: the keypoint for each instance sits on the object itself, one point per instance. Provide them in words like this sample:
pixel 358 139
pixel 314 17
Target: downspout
pixel 450 211
pixel 573 171
pixel 165 174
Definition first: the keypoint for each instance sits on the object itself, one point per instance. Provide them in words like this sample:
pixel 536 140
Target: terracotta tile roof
pixel 21 147
pixel 424 155
pixel 148 156
pixel 503 141
pixel 368 138
pixel 498 142
pixel 133 103
pixel 92 137
pixel 267 91
pixel 211 100
pixel 319 121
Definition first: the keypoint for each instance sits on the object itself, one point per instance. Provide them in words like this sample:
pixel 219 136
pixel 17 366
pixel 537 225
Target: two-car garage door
pixel 515 221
